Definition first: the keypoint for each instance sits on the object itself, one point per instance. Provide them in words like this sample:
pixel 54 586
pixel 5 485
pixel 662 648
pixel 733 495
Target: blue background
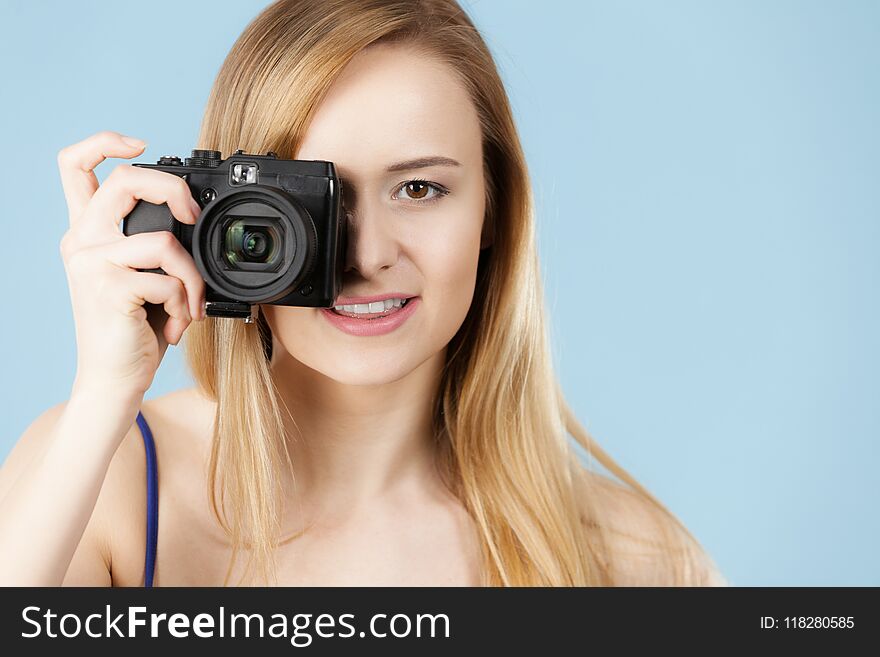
pixel 707 184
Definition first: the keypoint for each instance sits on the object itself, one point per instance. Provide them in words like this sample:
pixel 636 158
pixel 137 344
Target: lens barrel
pixel 255 243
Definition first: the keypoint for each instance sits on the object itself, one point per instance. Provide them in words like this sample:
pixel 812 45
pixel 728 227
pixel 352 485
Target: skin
pixel 363 404
pixel 365 481
pixel 362 444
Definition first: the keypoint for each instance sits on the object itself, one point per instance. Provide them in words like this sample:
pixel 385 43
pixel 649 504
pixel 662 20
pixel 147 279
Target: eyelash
pixel 440 191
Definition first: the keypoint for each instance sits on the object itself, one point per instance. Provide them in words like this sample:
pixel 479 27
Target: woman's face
pixel 413 239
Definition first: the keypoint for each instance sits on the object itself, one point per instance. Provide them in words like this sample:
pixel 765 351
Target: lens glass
pixel 245 242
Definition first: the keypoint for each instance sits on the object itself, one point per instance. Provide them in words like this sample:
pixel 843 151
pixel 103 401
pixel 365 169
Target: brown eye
pixel 417 190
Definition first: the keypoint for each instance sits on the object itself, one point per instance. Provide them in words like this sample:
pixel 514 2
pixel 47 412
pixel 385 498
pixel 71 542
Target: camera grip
pixel 149 217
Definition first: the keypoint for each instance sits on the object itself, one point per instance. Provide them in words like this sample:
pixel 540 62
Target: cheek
pixel 288 324
pixel 446 256
pixel 448 266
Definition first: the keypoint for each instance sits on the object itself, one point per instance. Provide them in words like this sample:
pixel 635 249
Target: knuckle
pixel 166 240
pixel 105 134
pixel 70 245
pixel 120 172
pixel 177 292
pixel 183 187
pixel 64 245
pixel 78 262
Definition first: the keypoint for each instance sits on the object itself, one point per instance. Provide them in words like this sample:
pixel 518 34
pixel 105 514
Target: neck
pixel 351 444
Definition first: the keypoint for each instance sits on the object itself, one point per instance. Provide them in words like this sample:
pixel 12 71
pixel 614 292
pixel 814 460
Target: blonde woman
pixel 428 448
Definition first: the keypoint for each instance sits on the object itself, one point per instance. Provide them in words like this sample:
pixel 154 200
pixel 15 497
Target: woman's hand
pixel 120 344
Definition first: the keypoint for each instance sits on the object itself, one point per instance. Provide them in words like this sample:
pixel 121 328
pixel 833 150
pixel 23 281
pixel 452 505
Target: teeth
pixel 368 308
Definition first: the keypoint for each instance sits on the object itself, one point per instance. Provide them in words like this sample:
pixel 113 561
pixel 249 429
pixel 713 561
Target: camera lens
pixel 254 244
pixel 249 243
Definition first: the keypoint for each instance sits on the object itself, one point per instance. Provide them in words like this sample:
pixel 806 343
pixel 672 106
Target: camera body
pixel 270 231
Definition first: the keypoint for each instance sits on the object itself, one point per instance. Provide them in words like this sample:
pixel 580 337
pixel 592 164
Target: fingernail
pixel 196 208
pixel 134 142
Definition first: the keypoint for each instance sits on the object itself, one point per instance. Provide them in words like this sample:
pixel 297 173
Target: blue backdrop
pixel 707 183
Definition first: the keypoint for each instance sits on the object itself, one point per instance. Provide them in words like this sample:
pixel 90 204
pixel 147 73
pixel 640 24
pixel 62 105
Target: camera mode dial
pixel 202 158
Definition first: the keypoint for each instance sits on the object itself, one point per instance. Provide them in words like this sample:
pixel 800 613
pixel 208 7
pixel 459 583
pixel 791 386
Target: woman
pixel 432 452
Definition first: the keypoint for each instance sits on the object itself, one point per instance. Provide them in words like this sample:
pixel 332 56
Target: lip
pixel 370 327
pixel 349 301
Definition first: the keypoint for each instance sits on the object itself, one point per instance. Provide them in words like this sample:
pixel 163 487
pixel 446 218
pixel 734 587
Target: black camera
pixel 270 231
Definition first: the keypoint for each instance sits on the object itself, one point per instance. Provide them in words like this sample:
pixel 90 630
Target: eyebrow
pixel 422 163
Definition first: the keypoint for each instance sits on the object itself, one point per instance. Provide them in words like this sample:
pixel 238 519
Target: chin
pixel 363 371
pixel 366 361
pixel 350 364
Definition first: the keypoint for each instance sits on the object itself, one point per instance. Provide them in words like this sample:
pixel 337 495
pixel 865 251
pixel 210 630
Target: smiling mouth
pixel 366 315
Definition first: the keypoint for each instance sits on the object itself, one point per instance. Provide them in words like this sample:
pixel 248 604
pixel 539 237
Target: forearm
pixel 45 512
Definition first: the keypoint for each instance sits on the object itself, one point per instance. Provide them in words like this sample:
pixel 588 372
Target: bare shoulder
pixel 181 423
pixel 162 414
pixel 185 409
pixel 111 549
pixel 31 442
pixel 175 423
pixel 646 547
pixel 172 418
pixel 95 559
pixel 36 438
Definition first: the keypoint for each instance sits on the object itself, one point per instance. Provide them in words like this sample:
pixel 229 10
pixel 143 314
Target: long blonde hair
pixel 501 421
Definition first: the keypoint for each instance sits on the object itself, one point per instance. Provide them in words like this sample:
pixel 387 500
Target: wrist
pixel 96 419
pixel 105 397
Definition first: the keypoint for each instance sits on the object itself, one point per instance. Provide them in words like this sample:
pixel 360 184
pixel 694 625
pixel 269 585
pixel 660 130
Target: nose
pixel 371 246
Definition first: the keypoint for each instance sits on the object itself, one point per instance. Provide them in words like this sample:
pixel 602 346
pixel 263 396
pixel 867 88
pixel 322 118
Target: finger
pixel 165 291
pixel 161 249
pixel 174 329
pixel 77 162
pixel 126 185
pixel 158 320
